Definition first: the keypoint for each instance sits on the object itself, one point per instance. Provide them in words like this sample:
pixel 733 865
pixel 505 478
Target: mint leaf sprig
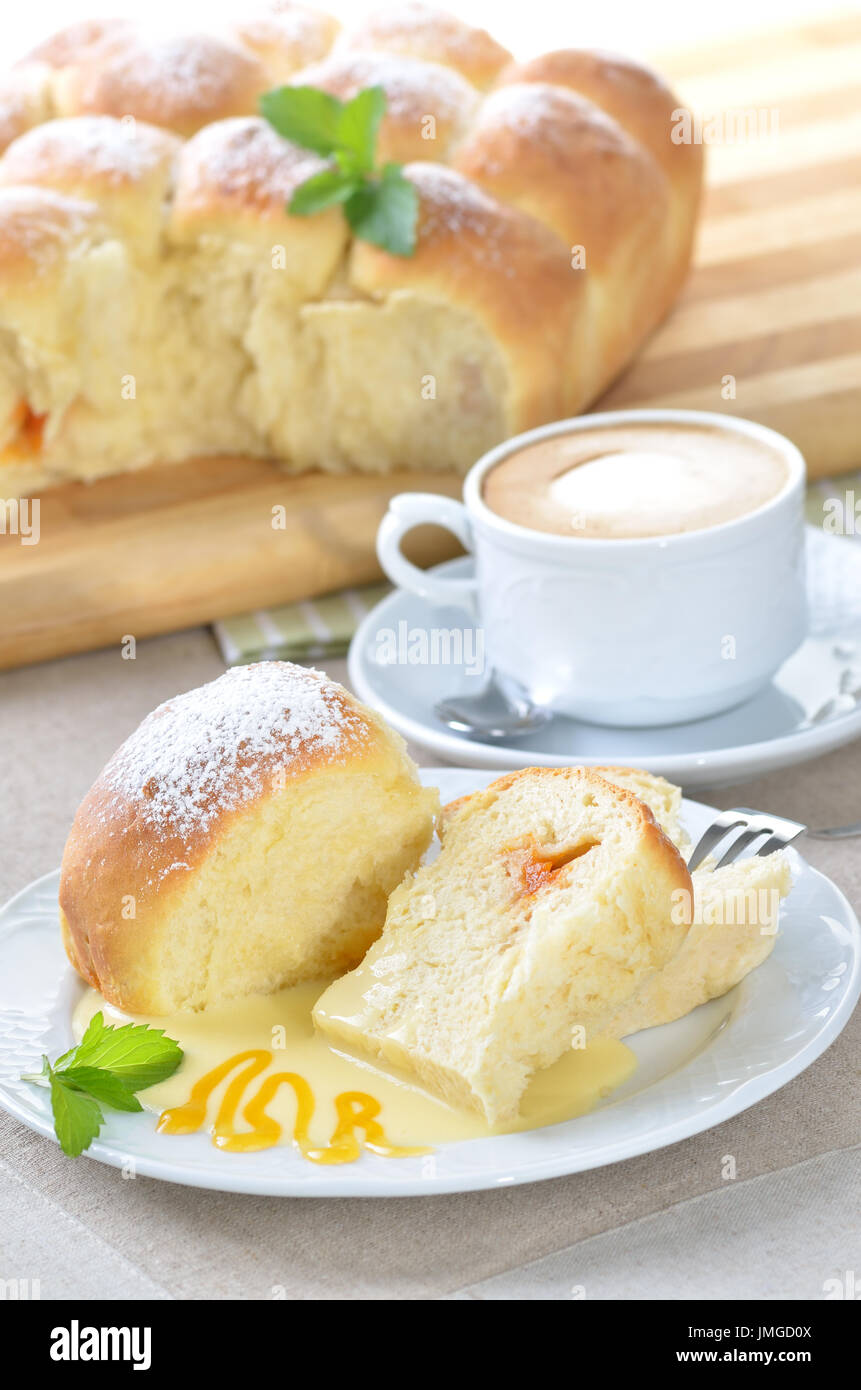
pixel 380 204
pixel 106 1068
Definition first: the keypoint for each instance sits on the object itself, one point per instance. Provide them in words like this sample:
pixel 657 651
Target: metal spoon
pixel 836 832
pixel 501 709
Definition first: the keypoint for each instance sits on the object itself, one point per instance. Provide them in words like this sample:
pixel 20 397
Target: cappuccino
pixel 629 481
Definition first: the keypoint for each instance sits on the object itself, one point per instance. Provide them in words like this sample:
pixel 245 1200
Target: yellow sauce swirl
pixel 355 1111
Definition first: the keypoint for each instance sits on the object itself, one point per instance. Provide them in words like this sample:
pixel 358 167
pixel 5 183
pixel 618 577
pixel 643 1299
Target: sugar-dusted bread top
pixel 40 230
pixel 199 758
pixel 231 806
pixel 418 31
pixel 551 900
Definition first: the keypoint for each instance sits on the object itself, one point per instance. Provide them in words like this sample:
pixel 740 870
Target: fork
pixel 752 826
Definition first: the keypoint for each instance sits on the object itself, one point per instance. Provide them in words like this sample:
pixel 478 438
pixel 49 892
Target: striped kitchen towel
pixel 323 627
pixel 306 631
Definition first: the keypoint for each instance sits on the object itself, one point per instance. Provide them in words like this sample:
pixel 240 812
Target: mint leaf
pixel 322 191
pixel 139 1055
pixel 381 206
pixel 77 1117
pixel 108 1065
pixel 305 115
pixel 386 212
pixel 359 125
pixel 101 1085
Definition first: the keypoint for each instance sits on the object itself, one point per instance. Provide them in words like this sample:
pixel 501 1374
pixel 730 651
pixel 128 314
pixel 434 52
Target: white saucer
pixel 691 1075
pixel 812 706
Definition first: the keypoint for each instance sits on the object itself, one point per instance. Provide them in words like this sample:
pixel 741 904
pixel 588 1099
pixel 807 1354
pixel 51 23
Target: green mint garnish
pixel 380 205
pixel 106 1068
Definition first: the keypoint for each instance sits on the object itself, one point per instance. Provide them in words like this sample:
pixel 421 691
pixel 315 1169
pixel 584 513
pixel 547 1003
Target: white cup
pixel 645 631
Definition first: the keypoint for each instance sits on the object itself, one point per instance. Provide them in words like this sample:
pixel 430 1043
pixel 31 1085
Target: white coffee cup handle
pixel 409 509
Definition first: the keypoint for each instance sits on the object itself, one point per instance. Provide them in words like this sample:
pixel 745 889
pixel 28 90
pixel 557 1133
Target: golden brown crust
pixel 428 107
pixel 234 181
pixel 182 83
pixel 639 100
pixel 561 159
pixel 38 229
pixel 173 789
pixel 420 31
pixel 25 101
pixel 657 842
pixel 287 37
pixel 239 170
pixel 634 95
pixel 83 42
pixel 502 266
pixel 93 153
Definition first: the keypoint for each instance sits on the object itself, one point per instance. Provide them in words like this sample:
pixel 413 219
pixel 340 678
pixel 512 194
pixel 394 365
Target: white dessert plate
pixel 812 706
pixel 692 1074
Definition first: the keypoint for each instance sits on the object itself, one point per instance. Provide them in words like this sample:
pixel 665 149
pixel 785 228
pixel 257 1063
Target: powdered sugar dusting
pixel 98 145
pixel 217 748
pixel 413 88
pixel 425 27
pixel 178 76
pixel 547 114
pixel 40 225
pixel 453 206
pixel 244 158
pixel 302 35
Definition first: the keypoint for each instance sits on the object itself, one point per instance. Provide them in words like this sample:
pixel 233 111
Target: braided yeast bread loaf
pixel 158 302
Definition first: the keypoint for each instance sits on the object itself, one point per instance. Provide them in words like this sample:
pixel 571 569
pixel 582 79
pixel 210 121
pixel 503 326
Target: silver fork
pixel 752 825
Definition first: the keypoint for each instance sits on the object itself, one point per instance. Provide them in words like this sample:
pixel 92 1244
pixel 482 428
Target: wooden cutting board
pixel 774 303
pixel 774 300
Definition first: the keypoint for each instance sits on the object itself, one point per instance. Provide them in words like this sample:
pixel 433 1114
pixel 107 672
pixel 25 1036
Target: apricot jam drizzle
pixel 355 1111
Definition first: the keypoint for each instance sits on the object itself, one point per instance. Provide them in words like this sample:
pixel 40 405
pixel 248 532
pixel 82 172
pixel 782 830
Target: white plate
pixel 812 706
pixel 692 1074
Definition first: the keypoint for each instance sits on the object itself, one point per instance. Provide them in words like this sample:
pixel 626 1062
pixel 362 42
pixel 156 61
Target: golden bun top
pixel 38 229
pixel 287 37
pixel 125 169
pixel 501 265
pixel 634 95
pixel 197 760
pixel 428 109
pixel 568 164
pixel 418 31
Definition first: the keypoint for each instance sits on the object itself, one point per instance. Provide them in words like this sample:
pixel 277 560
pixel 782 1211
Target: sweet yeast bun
pixel 428 108
pixel 245 837
pixel 550 901
pixel 421 31
pixel 640 102
pixel 126 169
pixel 487 305
pixel 287 37
pixel 182 81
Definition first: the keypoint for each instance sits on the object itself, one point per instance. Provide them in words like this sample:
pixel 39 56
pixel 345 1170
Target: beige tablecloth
pixel 664 1225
